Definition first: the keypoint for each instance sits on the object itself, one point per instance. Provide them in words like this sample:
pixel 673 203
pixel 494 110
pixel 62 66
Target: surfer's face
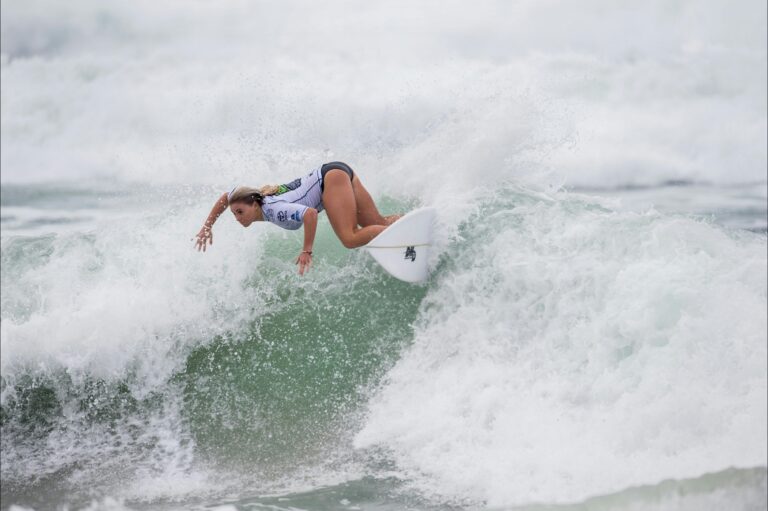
pixel 244 213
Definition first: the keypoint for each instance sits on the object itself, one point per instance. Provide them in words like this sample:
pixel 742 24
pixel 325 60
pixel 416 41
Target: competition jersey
pixel 287 207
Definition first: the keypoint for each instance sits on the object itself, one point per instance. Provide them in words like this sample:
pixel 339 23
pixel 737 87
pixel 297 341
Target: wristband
pixel 306 252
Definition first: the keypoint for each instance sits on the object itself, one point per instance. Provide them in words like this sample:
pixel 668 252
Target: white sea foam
pixel 129 289
pixel 125 91
pixel 578 352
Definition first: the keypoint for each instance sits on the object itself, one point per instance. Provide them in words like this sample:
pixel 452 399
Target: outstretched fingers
pixel 204 237
pixel 304 261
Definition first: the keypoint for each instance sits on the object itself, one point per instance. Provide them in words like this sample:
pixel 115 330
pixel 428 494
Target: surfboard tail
pixel 403 248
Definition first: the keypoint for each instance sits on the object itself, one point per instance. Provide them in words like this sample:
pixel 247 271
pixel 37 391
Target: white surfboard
pixel 403 248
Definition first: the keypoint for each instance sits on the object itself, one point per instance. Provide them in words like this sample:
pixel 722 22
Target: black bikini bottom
pixel 334 165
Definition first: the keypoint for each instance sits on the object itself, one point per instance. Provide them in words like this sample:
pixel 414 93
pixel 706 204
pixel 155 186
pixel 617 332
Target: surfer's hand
pixel 304 261
pixel 204 237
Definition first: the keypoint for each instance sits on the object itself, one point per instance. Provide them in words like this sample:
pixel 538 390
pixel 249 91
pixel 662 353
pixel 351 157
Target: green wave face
pixel 290 385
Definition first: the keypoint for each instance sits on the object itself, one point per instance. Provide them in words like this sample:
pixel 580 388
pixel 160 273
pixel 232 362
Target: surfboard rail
pixel 403 248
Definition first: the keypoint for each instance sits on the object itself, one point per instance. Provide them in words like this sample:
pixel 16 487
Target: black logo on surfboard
pixel 410 253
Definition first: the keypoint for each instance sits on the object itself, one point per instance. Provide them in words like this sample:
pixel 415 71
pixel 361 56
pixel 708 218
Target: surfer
pixel 332 186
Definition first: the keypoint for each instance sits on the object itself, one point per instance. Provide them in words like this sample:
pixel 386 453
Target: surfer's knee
pixel 348 241
pixel 351 238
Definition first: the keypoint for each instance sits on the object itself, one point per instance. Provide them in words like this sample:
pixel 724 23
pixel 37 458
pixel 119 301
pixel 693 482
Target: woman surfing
pixel 332 187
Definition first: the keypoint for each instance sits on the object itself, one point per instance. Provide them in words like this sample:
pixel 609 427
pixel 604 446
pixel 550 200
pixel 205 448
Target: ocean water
pixel 593 334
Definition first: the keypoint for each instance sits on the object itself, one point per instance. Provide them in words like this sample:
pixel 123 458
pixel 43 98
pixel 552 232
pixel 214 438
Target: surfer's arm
pixel 205 236
pixel 310 227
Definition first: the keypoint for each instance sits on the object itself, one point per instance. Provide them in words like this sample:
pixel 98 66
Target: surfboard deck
pixel 403 248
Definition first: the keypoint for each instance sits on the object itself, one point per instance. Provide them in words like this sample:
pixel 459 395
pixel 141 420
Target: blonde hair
pixel 249 195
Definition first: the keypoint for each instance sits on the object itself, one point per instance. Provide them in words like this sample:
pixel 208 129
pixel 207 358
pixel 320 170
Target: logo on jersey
pixel 281 216
pixel 293 184
pixel 410 253
pixel 296 216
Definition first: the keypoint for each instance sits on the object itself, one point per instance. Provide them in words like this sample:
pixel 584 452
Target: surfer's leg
pixel 367 213
pixel 341 207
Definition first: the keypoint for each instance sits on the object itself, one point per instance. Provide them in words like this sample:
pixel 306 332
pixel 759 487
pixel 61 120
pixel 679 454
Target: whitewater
pixel 594 331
